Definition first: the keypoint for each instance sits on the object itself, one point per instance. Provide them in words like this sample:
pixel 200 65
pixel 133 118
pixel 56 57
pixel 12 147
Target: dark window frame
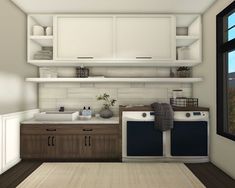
pixel 223 47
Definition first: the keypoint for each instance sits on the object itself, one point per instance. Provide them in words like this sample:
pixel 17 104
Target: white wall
pixel 15 93
pixel 77 95
pixel 222 150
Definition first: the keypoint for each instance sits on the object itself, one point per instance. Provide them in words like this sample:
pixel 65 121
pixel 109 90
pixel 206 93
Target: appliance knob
pixel 187 114
pixel 144 115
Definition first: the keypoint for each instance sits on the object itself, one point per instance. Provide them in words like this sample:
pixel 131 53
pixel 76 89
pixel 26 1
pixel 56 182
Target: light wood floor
pixel 112 175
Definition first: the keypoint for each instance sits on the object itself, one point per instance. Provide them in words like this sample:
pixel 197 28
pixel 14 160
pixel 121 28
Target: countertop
pixel 93 120
pixel 149 108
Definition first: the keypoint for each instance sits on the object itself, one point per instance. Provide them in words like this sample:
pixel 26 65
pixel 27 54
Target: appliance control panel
pixel 191 115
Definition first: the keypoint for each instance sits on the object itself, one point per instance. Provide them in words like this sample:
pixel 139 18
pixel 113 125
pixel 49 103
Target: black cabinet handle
pixel 50 129
pixel 48 141
pixel 87 130
pixel 85 140
pixel 152 113
pixel 53 144
pixel 89 141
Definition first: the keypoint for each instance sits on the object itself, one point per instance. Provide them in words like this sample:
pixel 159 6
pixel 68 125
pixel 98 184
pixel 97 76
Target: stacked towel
pixel 164 116
pixel 45 54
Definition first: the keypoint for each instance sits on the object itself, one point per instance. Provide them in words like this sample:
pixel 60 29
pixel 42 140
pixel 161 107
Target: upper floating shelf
pixel 104 79
pixel 116 63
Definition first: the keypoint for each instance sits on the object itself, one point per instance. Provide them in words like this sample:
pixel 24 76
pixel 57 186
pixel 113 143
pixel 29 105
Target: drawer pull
pixel 89 141
pixel 48 141
pixel 53 144
pixel 88 130
pixel 85 140
pixel 85 57
pixel 144 57
pixel 50 129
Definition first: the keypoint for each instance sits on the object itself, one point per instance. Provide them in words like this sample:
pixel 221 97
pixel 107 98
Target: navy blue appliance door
pixel 143 139
pixel 189 138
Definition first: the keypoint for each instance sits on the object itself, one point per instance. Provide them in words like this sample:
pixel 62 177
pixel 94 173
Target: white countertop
pixel 93 120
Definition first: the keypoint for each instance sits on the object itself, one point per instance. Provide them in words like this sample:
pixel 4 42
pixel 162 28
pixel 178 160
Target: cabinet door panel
pixel 48 146
pixel 84 37
pixel 31 146
pixel 68 146
pixel 144 37
pixel 104 146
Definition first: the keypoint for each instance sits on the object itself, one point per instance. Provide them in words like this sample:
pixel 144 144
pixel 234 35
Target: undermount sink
pixel 56 116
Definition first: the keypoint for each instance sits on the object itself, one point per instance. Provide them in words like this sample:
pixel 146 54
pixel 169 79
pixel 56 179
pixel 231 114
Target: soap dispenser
pixel 84 111
pixel 89 112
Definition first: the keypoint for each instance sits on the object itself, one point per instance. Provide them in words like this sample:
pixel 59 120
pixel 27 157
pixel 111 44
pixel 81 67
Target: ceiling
pixel 114 6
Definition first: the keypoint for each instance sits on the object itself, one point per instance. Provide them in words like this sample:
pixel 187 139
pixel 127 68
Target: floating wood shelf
pixel 105 79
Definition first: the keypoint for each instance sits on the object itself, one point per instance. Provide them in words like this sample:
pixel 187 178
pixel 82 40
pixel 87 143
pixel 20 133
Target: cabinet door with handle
pixel 48 146
pixel 84 37
pixel 100 147
pixel 149 37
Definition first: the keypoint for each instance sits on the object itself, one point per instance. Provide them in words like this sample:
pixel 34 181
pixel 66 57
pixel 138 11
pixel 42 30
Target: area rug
pixel 112 175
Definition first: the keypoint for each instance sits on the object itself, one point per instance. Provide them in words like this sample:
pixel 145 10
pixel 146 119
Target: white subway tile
pixel 52 93
pixel 112 85
pixel 86 85
pixel 140 93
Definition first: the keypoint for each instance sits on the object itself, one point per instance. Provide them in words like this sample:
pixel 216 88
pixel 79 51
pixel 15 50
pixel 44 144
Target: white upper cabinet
pixel 147 37
pixel 84 37
pixel 116 40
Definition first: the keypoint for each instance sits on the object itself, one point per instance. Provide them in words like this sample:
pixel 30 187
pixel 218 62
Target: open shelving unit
pixel 36 42
pixel 189 38
pixel 113 80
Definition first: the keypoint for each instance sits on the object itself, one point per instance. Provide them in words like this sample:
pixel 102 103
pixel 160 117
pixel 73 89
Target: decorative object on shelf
pixel 105 111
pixel 45 54
pixel 49 31
pixel 45 72
pixel 82 72
pixel 184 102
pixel 177 93
pixel 184 72
pixel 38 30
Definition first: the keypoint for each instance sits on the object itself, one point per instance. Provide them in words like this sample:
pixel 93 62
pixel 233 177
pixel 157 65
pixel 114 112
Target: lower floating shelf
pixel 105 79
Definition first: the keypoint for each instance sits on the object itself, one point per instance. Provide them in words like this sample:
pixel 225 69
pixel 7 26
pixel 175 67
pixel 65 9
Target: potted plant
pixel 108 102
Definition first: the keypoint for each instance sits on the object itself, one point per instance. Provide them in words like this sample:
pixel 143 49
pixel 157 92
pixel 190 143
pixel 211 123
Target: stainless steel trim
pixel 144 57
pixel 85 57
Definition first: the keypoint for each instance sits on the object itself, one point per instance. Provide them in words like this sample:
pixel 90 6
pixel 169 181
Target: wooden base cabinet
pixel 65 142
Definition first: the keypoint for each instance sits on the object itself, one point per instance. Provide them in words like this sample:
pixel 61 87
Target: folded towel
pixel 164 116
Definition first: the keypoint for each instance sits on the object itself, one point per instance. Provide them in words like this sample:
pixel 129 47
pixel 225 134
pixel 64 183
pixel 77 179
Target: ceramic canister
pixel 49 31
pixel 38 30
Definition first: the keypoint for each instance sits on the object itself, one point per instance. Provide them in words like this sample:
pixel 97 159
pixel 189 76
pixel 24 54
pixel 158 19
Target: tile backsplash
pixel 77 95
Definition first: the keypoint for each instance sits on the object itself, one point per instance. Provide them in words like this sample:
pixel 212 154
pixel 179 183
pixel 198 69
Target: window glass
pixel 231 93
pixel 231 26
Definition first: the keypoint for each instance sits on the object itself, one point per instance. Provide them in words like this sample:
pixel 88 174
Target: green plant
pixel 107 101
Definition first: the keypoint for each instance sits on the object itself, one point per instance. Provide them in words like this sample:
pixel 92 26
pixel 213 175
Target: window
pixel 226 72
